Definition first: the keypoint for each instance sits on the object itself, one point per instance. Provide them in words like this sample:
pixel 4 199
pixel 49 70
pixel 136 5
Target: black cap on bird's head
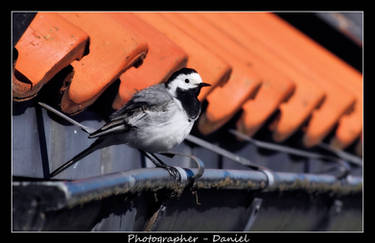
pixel 184 70
pixel 185 79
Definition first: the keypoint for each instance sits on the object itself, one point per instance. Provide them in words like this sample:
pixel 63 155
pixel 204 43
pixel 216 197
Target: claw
pixel 159 163
pixel 173 172
pixel 196 160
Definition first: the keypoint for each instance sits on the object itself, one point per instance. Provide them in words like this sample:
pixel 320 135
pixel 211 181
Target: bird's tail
pixel 94 146
pixel 99 143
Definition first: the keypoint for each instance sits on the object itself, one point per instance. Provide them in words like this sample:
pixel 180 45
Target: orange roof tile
pixel 225 101
pixel 276 87
pixel 306 96
pixel 281 38
pixel 256 62
pixel 49 44
pixel 301 49
pixel 163 58
pixel 213 69
pixel 113 49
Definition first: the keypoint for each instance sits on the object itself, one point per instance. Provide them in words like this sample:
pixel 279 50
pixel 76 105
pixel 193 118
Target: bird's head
pixel 185 80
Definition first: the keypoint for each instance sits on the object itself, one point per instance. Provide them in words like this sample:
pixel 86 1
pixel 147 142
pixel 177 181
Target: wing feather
pixel 154 98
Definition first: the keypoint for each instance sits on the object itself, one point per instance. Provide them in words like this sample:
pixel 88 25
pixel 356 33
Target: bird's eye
pixel 187 81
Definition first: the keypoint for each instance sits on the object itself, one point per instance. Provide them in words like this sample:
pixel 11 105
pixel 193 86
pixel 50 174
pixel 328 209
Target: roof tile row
pixel 255 62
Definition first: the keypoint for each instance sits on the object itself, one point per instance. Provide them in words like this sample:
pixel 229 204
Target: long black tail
pixel 99 143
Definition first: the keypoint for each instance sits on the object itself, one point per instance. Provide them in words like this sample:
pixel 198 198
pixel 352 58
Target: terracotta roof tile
pixel 224 101
pixel 298 48
pixel 164 57
pixel 213 69
pixel 306 96
pixel 49 44
pixel 113 49
pixel 256 62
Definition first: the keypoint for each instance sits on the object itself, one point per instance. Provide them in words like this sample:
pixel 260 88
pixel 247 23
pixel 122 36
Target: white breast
pixel 166 133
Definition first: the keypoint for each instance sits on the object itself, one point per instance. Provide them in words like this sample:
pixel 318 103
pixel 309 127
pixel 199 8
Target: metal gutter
pixel 55 195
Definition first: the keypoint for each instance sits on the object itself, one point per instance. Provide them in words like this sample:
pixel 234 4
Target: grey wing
pixel 154 98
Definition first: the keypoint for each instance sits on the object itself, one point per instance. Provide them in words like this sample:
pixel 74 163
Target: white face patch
pixel 184 82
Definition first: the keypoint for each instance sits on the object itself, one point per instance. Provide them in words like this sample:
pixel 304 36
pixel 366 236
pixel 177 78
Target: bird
pixel 154 120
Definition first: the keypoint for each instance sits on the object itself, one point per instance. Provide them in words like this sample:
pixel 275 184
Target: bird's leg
pixel 159 163
pixel 154 159
pixel 171 170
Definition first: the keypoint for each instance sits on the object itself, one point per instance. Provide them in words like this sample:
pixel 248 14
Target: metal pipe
pixel 55 195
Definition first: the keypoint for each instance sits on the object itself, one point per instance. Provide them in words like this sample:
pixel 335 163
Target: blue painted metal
pixel 214 188
pixel 84 190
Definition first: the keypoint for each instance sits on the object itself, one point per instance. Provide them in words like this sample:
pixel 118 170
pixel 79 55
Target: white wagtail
pixel 155 120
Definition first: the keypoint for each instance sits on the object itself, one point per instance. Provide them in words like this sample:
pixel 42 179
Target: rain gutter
pixel 55 195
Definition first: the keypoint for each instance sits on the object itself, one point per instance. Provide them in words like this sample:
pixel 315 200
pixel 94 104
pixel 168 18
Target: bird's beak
pixel 204 85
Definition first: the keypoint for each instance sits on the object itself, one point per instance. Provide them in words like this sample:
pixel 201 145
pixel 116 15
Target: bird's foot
pixel 173 172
